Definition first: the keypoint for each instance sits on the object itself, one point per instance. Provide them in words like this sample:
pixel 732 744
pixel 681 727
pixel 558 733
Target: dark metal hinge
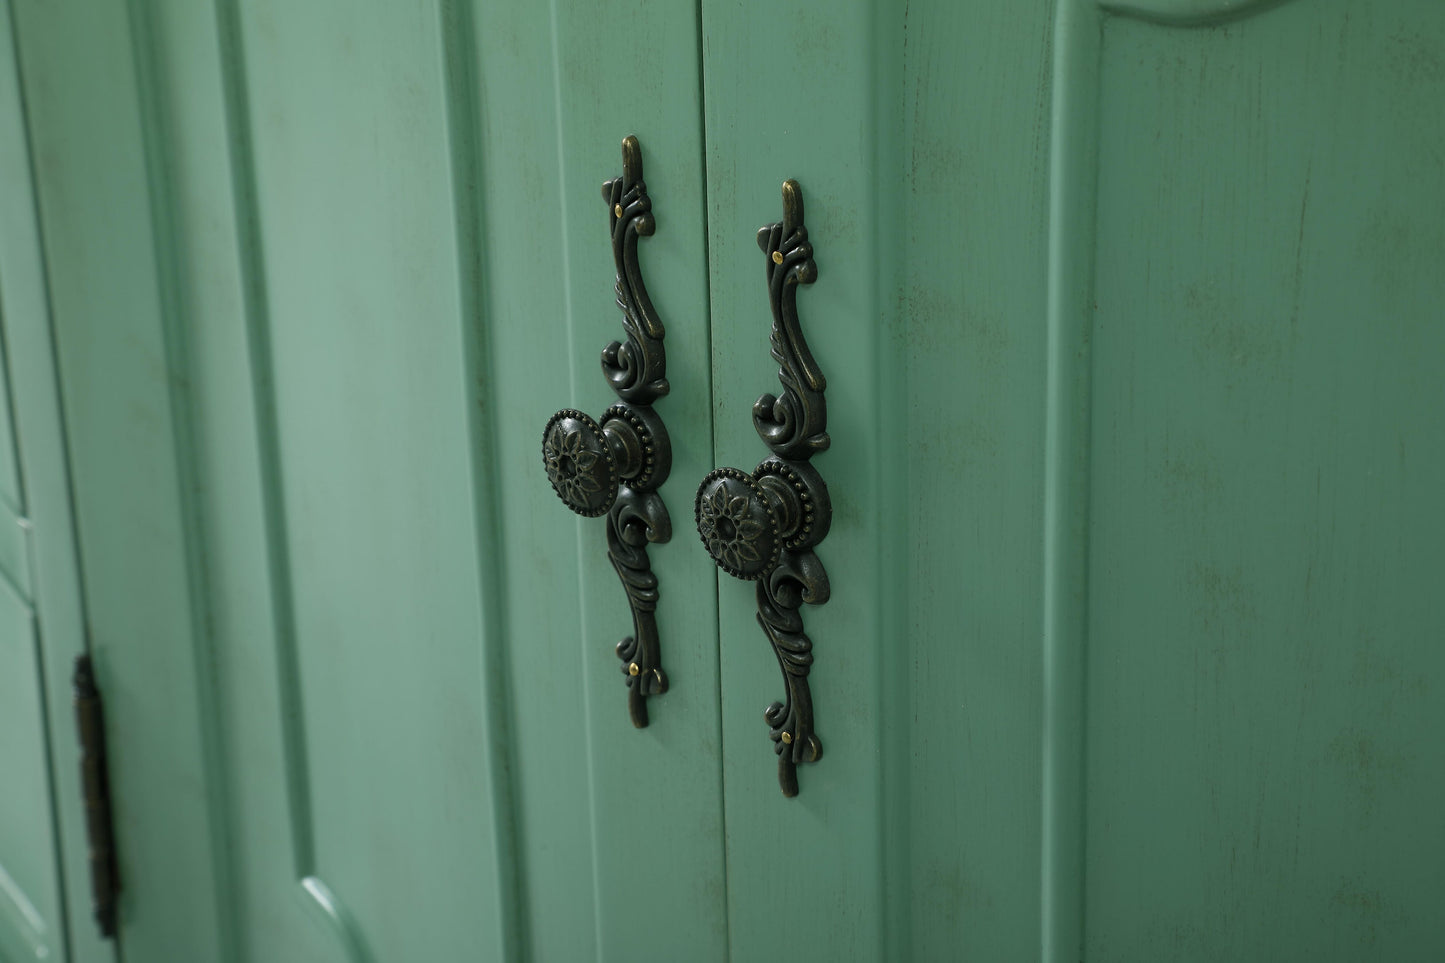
pixel 95 782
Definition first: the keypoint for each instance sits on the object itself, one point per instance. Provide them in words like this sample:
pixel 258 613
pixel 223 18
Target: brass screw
pixel 633 669
pixel 777 257
pixel 787 738
pixel 618 211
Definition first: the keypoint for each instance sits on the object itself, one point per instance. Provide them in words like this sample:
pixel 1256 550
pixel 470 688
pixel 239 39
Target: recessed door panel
pixel 1237 370
pixel 370 257
pixel 621 829
pixel 1264 522
pixel 913 132
pixel 1126 313
pixel 31 925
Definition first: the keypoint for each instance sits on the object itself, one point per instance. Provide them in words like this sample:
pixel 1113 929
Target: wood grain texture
pixel 798 103
pixel 361 328
pixel 918 134
pixel 1131 341
pixel 1261 782
pixel 973 302
pixel 622 829
pixel 1236 439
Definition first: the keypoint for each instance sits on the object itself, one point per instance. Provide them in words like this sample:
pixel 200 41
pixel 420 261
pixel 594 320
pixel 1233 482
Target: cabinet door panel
pixel 621 829
pixel 1090 463
pixel 31 923
pixel 49 897
pixel 914 132
pixel 1127 313
pixel 84 115
pixel 1263 675
pixel 368 259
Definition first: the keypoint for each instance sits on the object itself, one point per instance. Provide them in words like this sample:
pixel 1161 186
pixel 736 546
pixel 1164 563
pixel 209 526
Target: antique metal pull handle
pixel 614 466
pixel 764 526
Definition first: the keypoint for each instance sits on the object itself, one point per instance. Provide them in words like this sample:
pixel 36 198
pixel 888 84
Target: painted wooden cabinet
pixel 1131 319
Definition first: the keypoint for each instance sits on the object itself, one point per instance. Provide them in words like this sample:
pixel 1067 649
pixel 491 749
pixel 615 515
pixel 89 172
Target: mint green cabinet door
pixel 1262 677
pixel 1131 319
pixel 45 904
pixel 918 135
pixel 322 272
pixel 31 925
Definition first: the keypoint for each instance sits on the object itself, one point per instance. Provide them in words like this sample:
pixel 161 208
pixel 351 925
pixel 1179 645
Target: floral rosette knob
pixel 737 524
pixel 579 464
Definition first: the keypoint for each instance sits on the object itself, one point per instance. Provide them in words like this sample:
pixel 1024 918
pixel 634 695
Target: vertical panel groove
pixel 458 33
pixel 727 930
pixel 70 845
pixel 258 340
pixel 587 735
pixel 1072 174
pixel 156 140
pixel 8 403
pixel 13 587
pixel 316 896
pixel 892 649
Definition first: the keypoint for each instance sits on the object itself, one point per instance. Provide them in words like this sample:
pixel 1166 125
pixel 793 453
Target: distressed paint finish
pixel 917 133
pixel 1264 672
pixel 344 231
pixel 1243 296
pixel 1129 316
pixel 973 234
pixel 794 885
pixel 621 829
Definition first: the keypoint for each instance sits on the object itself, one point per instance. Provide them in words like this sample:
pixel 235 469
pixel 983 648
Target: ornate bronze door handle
pixel 614 465
pixel 763 526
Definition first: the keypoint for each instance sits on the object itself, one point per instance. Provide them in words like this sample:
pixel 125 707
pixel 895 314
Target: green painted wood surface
pixel 10 495
pixel 1264 669
pixel 621 830
pixel 914 131
pixel 31 924
pixel 1246 782
pixel 46 899
pixel 350 277
pixel 129 460
pixel 14 526
pixel 1131 329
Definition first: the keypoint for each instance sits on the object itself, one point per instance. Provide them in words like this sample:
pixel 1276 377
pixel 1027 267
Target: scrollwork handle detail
pixel 795 425
pixel 763 525
pixel 614 466
pixel 636 370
